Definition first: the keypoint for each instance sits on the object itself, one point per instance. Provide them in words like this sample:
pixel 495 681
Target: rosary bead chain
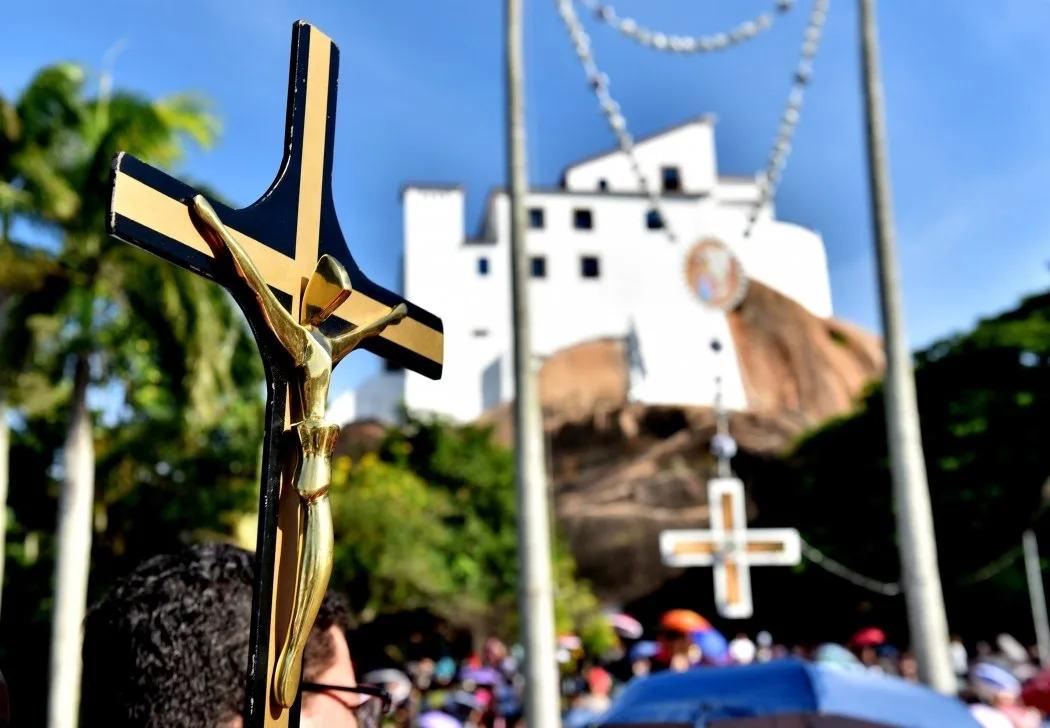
pixel 686 44
pixel 769 178
pixel 777 160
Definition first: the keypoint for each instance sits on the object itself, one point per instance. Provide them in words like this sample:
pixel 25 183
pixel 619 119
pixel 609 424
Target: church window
pixel 671 180
pixel 653 221
pixel 589 266
pixel 582 219
pixel 603 184
pixel 483 266
pixel 539 266
pixel 536 218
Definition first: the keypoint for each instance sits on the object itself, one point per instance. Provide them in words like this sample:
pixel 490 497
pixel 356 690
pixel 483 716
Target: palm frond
pixel 24 269
pixel 190 115
pixel 51 103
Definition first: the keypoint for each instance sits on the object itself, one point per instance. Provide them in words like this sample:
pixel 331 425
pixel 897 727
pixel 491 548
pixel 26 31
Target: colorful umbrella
pixel 1036 692
pixel 684 621
pixel 782 693
pixel 1014 650
pixel 868 637
pixel 713 646
pixel 643 651
pixel 626 626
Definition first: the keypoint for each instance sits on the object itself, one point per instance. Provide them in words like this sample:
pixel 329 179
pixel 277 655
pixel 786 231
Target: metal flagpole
pixel 535 584
pixel 920 575
pixel 1035 590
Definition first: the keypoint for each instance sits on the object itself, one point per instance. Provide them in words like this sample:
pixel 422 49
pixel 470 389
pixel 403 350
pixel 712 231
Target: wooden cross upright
pixel 731 548
pixel 285 234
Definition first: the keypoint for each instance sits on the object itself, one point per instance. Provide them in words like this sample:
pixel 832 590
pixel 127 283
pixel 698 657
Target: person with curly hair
pixel 167 647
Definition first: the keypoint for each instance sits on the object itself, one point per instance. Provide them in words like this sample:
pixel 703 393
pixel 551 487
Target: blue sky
pixel 421 99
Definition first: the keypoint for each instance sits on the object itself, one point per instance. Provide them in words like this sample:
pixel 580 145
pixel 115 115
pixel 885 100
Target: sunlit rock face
pixel 623 471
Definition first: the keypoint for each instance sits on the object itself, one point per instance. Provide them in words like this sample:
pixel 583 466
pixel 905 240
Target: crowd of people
pixel 168 646
pixel 1002 682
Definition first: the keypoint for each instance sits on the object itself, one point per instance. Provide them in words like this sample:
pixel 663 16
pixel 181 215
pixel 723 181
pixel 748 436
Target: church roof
pixel 708 119
pixel 436 186
pixel 560 189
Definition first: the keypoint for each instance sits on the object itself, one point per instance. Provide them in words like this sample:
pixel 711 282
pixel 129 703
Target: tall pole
pixel 535 584
pixel 920 575
pixel 1035 591
pixel 5 454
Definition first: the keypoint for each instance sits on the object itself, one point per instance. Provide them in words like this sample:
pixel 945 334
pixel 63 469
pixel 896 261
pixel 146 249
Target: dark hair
pixel 168 645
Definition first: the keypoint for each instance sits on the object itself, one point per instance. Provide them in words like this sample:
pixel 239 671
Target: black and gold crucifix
pixel 285 261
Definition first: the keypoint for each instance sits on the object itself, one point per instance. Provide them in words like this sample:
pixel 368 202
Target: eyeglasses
pixel 369 704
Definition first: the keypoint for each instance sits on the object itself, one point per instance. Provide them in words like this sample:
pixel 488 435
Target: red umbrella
pixel 868 637
pixel 1036 692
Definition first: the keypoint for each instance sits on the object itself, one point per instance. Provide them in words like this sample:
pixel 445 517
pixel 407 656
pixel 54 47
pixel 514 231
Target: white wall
pixel 343 409
pixel 380 397
pixel 642 278
pixel 679 363
pixel 792 260
pixel 689 147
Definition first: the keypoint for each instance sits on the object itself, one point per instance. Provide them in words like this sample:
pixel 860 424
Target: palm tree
pixel 54 169
pixel 33 128
pixel 117 285
pixel 85 316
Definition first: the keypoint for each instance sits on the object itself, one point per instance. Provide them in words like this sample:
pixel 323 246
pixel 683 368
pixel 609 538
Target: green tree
pixel 35 130
pixel 984 399
pixel 167 349
pixel 121 317
pixel 394 545
pixel 476 475
pixel 34 127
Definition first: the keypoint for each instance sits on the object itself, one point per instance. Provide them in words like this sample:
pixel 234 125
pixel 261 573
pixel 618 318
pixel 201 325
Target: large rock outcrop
pixel 796 363
pixel 624 472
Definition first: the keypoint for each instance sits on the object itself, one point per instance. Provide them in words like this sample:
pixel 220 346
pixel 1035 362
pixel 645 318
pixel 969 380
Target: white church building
pixel 600 267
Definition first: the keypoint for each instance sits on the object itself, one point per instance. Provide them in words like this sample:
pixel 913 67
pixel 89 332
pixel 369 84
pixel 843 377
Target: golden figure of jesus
pixel 314 355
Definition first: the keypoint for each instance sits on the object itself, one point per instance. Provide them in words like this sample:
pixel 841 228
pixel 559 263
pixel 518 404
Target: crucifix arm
pixel 288 331
pixel 345 343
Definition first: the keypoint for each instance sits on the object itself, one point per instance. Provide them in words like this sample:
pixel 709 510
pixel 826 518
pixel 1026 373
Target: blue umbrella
pixel 643 651
pixel 712 645
pixel 838 657
pixel 783 689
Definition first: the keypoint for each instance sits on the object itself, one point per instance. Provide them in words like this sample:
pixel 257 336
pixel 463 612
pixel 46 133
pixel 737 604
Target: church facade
pixel 600 266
